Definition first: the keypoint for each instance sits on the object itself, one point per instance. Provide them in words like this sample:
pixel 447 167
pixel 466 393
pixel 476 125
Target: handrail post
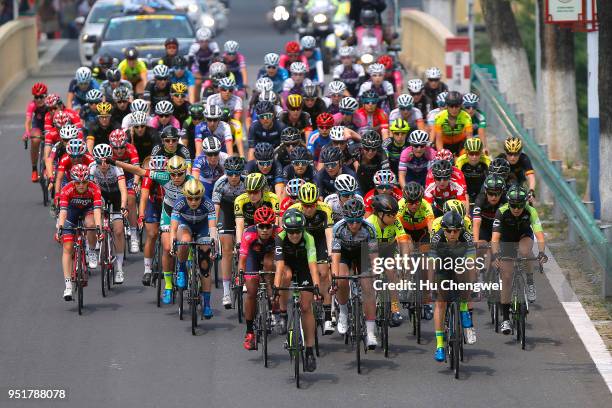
pixel 606 275
pixel 545 195
pixel 557 211
pixel 571 228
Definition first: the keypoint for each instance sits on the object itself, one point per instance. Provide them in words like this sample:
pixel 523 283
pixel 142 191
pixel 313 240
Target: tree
pixel 558 114
pixel 604 12
pixel 510 57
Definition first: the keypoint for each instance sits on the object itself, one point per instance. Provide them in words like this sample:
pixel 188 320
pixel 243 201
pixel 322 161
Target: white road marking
pixel 53 48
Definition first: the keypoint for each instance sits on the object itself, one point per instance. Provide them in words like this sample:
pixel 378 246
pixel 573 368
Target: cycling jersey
pixel 132 74
pixel 394 153
pixel 453 136
pixel 224 195
pixel 432 93
pixel 520 170
pixel 349 121
pixel 485 212
pixel 437 196
pixel 187 78
pixel 66 163
pixel 383 90
pixel 297 256
pixel 233 104
pixel 98 133
pixel 189 129
pixel 378 120
pixel 273 177
pixel 333 200
pixel 107 89
pixel 130 155
pixel 153 206
pixel 71 198
pixel 478 121
pixel 172 193
pixel 415 224
pixel 431 116
pixel 437 224
pixel 235 66
pixel 315 69
pixel 159 150
pixel 289 173
pixel 416 168
pixel 75 119
pixel 365 171
pixel 325 182
pixel 223 132
pixel 290 88
pixel 396 193
pixel 254 249
pixel 414 120
pixel 181 112
pixel 107 181
pixel 278 80
pixel 388 233
pixel 303 123
pixel 474 174
pixel 423 104
pixel 456 176
pixel 317 108
pixel 316 226
pixel 351 246
pixel 117 115
pixel 258 134
pixel 285 62
pixel 79 94
pixel 209 174
pixel 351 76
pixel 36 115
pixel 316 143
pixel 144 144
pixel 513 228
pixel 442 249
pixel 244 208
pixel 185 215
pixel 202 57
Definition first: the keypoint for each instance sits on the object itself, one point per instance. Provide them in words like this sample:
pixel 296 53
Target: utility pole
pixel 593 110
pixel 470 15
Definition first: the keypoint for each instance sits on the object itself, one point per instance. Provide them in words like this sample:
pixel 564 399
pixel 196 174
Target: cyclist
pixel 352 237
pixel 296 82
pixel 104 63
pixel 443 188
pixel 474 164
pixel 256 195
pixel 112 184
pixel 431 116
pixel 393 74
pixel 171 46
pixel 265 129
pixel 479 121
pixel 265 96
pixel 369 159
pixel 203 52
pixel 112 82
pixel 340 137
pixel 380 86
pixel 501 167
pixel 193 219
pixel 214 126
pixel 434 86
pixel 78 88
pixel 208 167
pixel 178 97
pixel 347 71
pixel 76 153
pixel 333 167
pixel 121 104
pixel 301 165
pixel 170 146
pixel 320 138
pixel 34 124
pixel 292 190
pixel 406 111
pixel 226 99
pixel 210 86
pixel 295 117
pixel 264 163
pixel 521 169
pixel 134 70
pixel 451 242
pixel 453 205
pixel 456 175
pixel 336 90
pixel 370 115
pixel 181 74
pixel 55 109
pixel 98 132
pixel 291 138
pixel 159 87
pixel 346 115
pixel 319 224
pixel 89 111
pixel 79 200
pixel 485 206
pixel 313 104
pixel 137 105
pixel 314 59
pixel 293 54
pixel 256 253
pixel 236 64
pixel 225 191
pixel 295 259
pixel 143 137
pixel 164 116
pixel 515 225
pixel 346 188
pixel 271 70
pixel 416 88
pixel 397 143
pixel 196 116
pixel 385 183
pixel 67 133
pixel 452 126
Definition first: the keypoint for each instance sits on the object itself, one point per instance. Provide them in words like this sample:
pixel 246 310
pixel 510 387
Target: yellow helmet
pixel 255 182
pixel 193 188
pixel 400 125
pixel 176 164
pixel 473 144
pixel 179 88
pixel 294 101
pixel 454 205
pixel 513 145
pixel 104 108
pixel 309 193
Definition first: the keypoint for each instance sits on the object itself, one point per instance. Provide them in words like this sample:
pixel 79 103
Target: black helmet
pixel 371 139
pixel 234 163
pixel 442 169
pixel 413 191
pixel 113 75
pixel 196 111
pixel 330 154
pixel 500 166
pixel 494 182
pixel 264 151
pixel 293 220
pixel 385 203
pixel 131 53
pixel 353 208
pixel 300 153
pixel 169 132
pixel 454 98
pixel 369 96
pixel 368 17
pixel 179 62
pixel 517 195
pixel 264 107
pixel 170 40
pixel 310 91
pixel 290 135
pixel 105 61
pixel 452 219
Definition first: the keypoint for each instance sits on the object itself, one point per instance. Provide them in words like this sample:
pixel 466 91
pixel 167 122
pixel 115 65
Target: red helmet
pixel 264 215
pixel 60 119
pixel 39 89
pixel 52 99
pixel 117 138
pixel 386 60
pixel 79 172
pixel 444 154
pixel 325 119
pixel 292 47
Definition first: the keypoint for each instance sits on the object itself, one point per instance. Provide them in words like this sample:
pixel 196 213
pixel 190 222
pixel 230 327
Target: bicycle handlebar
pixel 354 277
pixel 258 273
pixel 298 288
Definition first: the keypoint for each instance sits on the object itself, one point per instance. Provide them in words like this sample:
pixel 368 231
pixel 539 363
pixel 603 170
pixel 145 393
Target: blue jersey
pixel 208 174
pixel 312 64
pixel 188 79
pixel 316 143
pixel 199 217
pixel 79 94
pixel 278 79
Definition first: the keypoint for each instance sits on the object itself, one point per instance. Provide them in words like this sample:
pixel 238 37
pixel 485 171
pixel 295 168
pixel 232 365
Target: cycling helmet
pixel 353 208
pixel 121 93
pixel 178 88
pixel 138 118
pixel 494 183
pixel 161 71
pixel 113 75
pixel 169 132
pixel 158 163
pixel 117 138
pixel 453 98
pixel 234 163
pixel 336 134
pixel 311 91
pixel 69 132
pixel 385 204
pixel 346 52
pixel 264 215
pixel 399 125
pixel 413 192
pixel 193 188
pixel 196 111
pixel 293 187
pixel 473 144
pixel 330 154
pixel 269 96
pixel 294 101
pixel 212 112
pixel 470 100
pixel 139 105
pixel 176 164
pixel 454 205
pixel 171 41
pixel 131 53
pixel 348 104
pixel 309 193
pixel 517 195
pixel 325 120
pixel 386 61
pixel 164 107
pixel 452 219
pixel 500 166
pixel 83 75
pixel 179 62
pixel 217 69
pixel 300 153
pixel 52 100
pixel 227 83
pixel 231 47
pixel 371 139
pixel 384 177
pixel 264 84
pixel 441 99
pixel 60 119
pixel 94 96
pixel 445 154
pixel 418 137
pixel 264 151
pixel 104 109
pixel 336 88
pixel 204 34
pixel 102 151
pixel 76 148
pixel 308 42
pixel 376 69
pixel 368 17
pixel 345 183
pixel 292 47
pixel 433 73
pixel 255 182
pixel 290 135
pixel 405 101
pixel 415 85
pixel 293 220
pixel 79 172
pixel 513 145
pixel 297 67
pixel 271 58
pixel 39 89
pixel 441 169
pixel 264 107
pixel 369 96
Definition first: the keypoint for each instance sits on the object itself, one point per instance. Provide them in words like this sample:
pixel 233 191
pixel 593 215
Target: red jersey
pixel 286 203
pixel 157 194
pixel 378 120
pixel 396 192
pixel 75 119
pixel 436 196
pixel 130 155
pixel 65 163
pixel 52 137
pixel 457 176
pixel 70 197
pixel 285 62
pixel 252 244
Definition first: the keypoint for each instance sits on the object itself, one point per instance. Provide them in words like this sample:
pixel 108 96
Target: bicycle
pixel 107 254
pixel 79 264
pixel 237 285
pixel 453 332
pixel 383 314
pixel 156 270
pixel 42 175
pixel 263 313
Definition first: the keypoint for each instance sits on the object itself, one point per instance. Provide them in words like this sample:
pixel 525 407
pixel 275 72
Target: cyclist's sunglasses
pixel 406 108
pixel 265 116
pixel 493 193
pixel 164 115
pixel 418 146
pixel 517 206
pixel 454 105
pixel 40 96
pixel 179 95
pixel 452 230
pixel 232 172
pixel 300 162
pixel 384 187
pixel 179 174
pixel 264 226
pixel 212 154
pixel 139 126
pixel 271 66
pixel 350 220
pixel 170 140
pixel 264 163
pixel 331 165
pixel 441 178
pixel 346 112
pixel 346 193
pixel 293 232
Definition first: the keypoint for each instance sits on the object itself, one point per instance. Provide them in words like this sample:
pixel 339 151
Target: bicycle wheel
pixel 42 176
pixel 157 272
pixel 180 293
pixel 521 328
pixel 216 266
pixel 457 338
pixel 79 279
pixel 110 255
pixel 103 265
pixel 194 294
pixel 297 337
pixel 357 327
pixel 263 328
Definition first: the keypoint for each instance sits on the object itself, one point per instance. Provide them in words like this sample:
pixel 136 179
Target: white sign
pixel 565 10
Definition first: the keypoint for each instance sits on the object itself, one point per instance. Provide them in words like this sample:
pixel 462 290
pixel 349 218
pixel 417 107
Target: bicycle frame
pixel 263 312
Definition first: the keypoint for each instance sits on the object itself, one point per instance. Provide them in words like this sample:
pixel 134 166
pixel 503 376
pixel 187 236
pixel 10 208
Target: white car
pixel 202 13
pixel 93 25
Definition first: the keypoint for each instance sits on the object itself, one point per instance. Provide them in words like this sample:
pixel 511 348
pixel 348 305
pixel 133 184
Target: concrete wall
pixel 423 41
pixel 18 53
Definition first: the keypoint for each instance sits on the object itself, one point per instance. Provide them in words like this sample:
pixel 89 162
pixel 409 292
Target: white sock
pixel 343 309
pixel 134 233
pixel 226 287
pixel 371 326
pixel 148 262
pixel 68 283
pixel 119 262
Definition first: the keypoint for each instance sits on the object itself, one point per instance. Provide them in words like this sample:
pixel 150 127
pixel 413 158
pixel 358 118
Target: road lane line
pixel 54 47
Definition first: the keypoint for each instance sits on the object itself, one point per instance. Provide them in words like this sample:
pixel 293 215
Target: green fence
pixel 580 220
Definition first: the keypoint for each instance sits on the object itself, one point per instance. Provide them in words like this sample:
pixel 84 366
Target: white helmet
pixel 139 105
pixel 230 47
pixel 384 177
pixel 102 151
pixel 336 134
pixel 211 144
pixel 204 34
pixel 376 69
pixel 269 96
pixel 348 103
pixel 346 51
pixel 405 101
pixel 213 112
pixel 297 68
pixel 336 88
pixel 345 183
pixel 158 163
pixel 441 98
pixel 138 118
pixel 415 85
pixel 433 73
pixel 271 59
pixel 470 98
pixel 217 68
pixel 227 83
pixel 264 84
pixel 308 42
pixel 94 96
pixel 68 132
pixel 83 75
pixel 418 137
pixel 164 108
pixel 161 71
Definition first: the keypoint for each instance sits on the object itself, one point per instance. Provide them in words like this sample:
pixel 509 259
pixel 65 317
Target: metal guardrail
pixel 580 220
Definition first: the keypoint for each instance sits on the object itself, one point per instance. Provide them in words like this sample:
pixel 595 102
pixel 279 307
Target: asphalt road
pixel 124 352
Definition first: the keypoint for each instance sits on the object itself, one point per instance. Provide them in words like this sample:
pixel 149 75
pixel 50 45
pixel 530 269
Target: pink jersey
pixel 285 63
pixel 154 122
